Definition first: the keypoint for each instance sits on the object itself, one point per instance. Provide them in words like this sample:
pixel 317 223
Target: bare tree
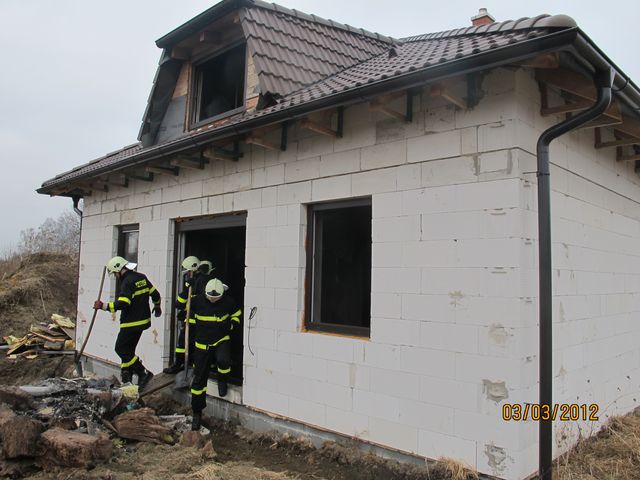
pixel 60 235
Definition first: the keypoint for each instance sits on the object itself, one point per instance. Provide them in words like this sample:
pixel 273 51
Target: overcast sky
pixel 76 74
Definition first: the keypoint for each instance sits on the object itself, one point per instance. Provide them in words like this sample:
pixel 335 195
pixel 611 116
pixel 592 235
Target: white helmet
pixel 206 267
pixel 190 264
pixel 215 288
pixel 116 264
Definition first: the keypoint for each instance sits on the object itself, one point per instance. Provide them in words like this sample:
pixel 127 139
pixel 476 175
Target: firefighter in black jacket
pixel 190 270
pixel 135 316
pixel 216 315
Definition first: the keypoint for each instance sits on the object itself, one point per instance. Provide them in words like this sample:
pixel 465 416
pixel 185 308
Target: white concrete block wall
pixel 596 271
pixel 454 273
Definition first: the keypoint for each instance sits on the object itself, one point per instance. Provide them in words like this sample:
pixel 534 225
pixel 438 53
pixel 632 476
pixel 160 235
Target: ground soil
pixel 37 286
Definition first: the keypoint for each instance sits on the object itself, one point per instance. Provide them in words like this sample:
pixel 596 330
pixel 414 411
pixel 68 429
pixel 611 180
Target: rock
pixel 72 449
pixel 142 425
pixel 208 451
pixel 17 468
pixel 65 423
pixel 15 397
pixel 20 437
pixel 192 439
pixel 5 413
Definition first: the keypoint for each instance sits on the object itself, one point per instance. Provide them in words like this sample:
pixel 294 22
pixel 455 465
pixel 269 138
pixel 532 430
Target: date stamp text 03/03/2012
pixel 564 412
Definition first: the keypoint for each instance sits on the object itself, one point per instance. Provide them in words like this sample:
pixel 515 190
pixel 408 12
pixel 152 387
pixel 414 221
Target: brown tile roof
pixel 290 51
pixel 415 54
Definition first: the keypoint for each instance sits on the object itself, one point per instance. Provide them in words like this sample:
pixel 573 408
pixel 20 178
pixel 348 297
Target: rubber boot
pixel 222 388
pixel 126 376
pixel 144 376
pixel 196 421
pixel 175 368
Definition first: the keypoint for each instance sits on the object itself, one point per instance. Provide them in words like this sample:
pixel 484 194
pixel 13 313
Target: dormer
pixel 240 56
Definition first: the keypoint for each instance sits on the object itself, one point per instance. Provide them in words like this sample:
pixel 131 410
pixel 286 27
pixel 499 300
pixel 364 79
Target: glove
pixel 98 305
pixel 157 311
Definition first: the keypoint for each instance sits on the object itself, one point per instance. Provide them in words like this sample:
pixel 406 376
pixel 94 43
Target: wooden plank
pixel 611 116
pixel 163 170
pixel 569 81
pixel 182 84
pixel 439 90
pixel 180 53
pixel 630 126
pixel 376 106
pixel 261 142
pixel 143 178
pixel 547 60
pixel 628 158
pixel 567 108
pixel 119 181
pixel 218 153
pixel 187 162
pixel 208 37
pixel 317 128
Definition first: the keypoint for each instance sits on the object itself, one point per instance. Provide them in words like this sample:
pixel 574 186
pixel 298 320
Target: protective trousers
pixel 205 355
pixel 126 349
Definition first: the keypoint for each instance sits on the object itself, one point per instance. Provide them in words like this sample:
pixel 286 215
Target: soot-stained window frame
pixel 197 85
pixel 313 287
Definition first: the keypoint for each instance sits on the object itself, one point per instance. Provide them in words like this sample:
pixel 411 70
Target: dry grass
pixel 457 470
pixel 614 452
pixel 33 287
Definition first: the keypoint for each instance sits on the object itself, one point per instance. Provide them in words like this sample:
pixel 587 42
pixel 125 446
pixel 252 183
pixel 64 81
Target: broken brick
pixel 20 437
pixel 73 449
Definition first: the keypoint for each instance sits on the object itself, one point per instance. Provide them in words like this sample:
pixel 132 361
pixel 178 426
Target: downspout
pixel 603 80
pixel 76 201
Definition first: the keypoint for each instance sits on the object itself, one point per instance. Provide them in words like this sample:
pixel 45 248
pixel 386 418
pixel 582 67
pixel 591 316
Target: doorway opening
pixel 221 240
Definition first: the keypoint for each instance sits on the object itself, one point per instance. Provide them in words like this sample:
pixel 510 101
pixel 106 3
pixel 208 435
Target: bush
pixel 60 235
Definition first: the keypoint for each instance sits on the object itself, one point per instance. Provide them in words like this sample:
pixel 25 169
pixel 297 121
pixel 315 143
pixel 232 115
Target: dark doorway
pixel 220 240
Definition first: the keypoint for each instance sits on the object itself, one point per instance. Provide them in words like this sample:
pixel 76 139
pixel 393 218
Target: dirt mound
pixel 23 371
pixel 41 284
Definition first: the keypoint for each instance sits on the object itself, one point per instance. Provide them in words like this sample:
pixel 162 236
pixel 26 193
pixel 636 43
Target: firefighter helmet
pixel 206 267
pixel 116 264
pixel 215 288
pixel 190 264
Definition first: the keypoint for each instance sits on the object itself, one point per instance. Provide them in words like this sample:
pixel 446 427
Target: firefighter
pixel 190 270
pixel 216 314
pixel 135 316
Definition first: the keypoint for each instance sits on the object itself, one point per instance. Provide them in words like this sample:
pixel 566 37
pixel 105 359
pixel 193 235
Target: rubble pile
pixel 75 422
pixel 57 336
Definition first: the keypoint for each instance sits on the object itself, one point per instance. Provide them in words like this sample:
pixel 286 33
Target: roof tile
pixel 303 85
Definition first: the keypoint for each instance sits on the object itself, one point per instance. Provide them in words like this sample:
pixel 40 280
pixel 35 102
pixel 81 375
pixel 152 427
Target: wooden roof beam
pixel 219 153
pixel 568 81
pixel 191 163
pixel 380 104
pixel 546 60
pixel 258 139
pixel 180 53
pixel 441 90
pixel 629 126
pixel 628 158
pixel 143 178
pixel 175 171
pixel 318 128
pixel 611 116
pixel 621 140
pixel 120 181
